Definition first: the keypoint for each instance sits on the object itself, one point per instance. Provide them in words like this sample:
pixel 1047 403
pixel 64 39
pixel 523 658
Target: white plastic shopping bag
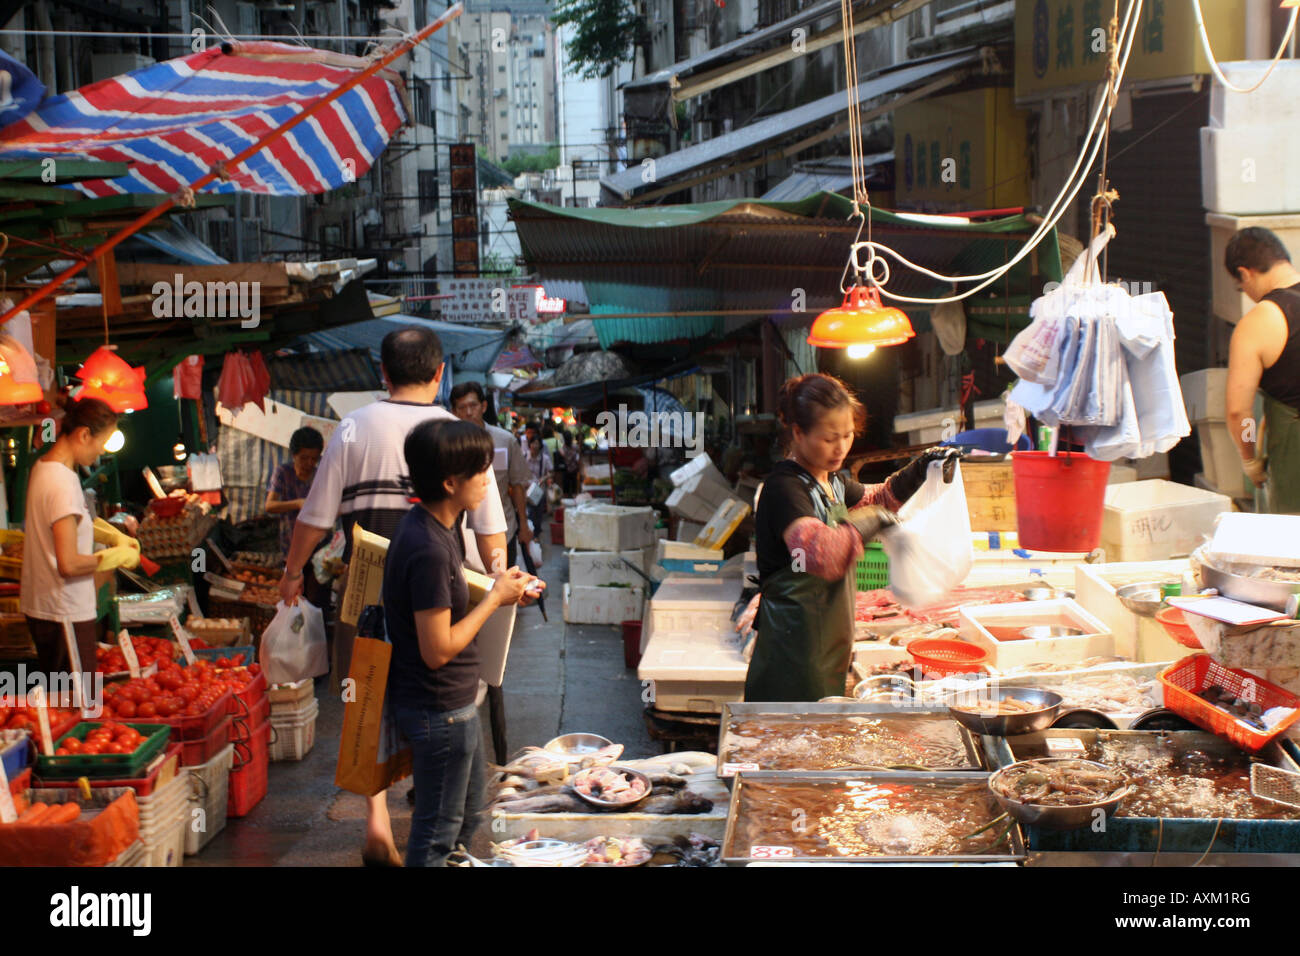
pixel 293 645
pixel 930 550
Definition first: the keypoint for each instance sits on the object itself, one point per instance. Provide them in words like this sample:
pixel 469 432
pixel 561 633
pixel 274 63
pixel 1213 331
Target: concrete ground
pixel 560 679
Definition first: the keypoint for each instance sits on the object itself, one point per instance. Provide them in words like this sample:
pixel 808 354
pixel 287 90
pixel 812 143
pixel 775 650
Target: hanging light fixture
pixel 179 451
pixel 116 442
pixel 14 392
pixel 109 378
pixel 861 324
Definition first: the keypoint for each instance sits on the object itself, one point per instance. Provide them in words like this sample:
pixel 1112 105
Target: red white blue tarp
pixel 173 121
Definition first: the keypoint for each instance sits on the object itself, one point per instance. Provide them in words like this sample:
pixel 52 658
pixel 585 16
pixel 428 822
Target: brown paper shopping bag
pixel 372 754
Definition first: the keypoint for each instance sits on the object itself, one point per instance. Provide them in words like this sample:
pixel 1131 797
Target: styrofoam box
pixel 680 556
pixel 602 527
pixel 1247 170
pixel 1096 641
pixel 688 531
pixel 1258 539
pixel 1153 466
pixel 934 421
pixel 1205 394
pixel 598 605
pixel 1156 520
pixel 1221 461
pixel 690 506
pixel 1055 575
pixel 602 568
pixel 699 465
pixel 689 646
pixel 1228 302
pixel 1277 101
pixel 1136 637
pixel 692 602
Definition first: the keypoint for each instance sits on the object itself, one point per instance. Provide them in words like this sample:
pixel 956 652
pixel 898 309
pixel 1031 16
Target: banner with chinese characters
pixel 965 151
pixel 1063 43
pixel 480 301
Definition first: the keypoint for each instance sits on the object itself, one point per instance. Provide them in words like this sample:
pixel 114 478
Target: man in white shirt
pixel 362 478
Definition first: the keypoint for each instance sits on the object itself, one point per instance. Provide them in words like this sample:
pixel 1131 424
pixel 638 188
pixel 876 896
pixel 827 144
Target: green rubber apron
pixel 805 624
pixel 1282 444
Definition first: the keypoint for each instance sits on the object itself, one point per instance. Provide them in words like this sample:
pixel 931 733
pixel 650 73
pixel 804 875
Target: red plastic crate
pixel 200 727
pixel 557 532
pixel 253 692
pixel 1184 679
pixel 143 786
pixel 248 774
pixel 195 752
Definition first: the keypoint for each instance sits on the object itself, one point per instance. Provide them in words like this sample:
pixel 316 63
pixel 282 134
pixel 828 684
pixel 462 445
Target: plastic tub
pixel 209 792
pixel 936 655
pixel 195 752
pixel 631 643
pixel 1176 626
pixel 293 739
pixel 1186 678
pixel 249 772
pixel 1060 502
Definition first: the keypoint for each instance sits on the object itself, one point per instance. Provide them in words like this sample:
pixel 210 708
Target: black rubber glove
pixel 871 520
pixel 907 480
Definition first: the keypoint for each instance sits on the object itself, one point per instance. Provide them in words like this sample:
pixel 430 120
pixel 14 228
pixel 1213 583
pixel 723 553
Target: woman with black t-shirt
pixel 433 679
pixel 809 529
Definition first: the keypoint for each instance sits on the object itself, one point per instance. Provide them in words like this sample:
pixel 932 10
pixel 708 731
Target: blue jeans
pixel 448 770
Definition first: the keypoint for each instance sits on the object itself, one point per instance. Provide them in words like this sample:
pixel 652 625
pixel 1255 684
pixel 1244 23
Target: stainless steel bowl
pixel 1041 592
pixel 1145 599
pixel 1270 594
pixel 1056 818
pixel 1038 632
pixel 1007 725
pixel 608 804
pixel 577 746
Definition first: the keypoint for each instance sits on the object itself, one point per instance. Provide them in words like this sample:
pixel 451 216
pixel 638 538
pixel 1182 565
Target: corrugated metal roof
pixel 832 175
pixel 468 348
pixel 750 255
pixel 630 182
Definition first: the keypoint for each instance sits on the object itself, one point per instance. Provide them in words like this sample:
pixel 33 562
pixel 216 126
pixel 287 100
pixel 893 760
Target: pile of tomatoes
pixel 147 650
pixel 175 691
pixel 24 718
pixel 106 738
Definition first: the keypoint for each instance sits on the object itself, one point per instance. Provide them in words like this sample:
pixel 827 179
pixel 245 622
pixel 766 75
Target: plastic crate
pixel 291 693
pixel 298 710
pixel 254 693
pixel 134 855
pixel 1184 679
pixel 195 752
pixel 213 653
pixel 169 848
pixel 224 636
pixel 163 821
pixel 259 615
pixel 156 774
pixel 15 751
pixel 249 771
pixel 209 791
pixel 120 766
pixel 197 728
pixel 293 739
pixel 250 716
pixel 873 568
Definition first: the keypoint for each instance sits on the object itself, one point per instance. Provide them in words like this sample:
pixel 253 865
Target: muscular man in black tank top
pixel 1265 356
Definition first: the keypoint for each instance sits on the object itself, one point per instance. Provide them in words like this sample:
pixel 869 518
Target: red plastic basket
pixel 248 774
pixel 143 786
pixel 939 657
pixel 200 727
pixel 254 693
pixel 557 533
pixel 1176 626
pixel 195 752
pixel 1184 679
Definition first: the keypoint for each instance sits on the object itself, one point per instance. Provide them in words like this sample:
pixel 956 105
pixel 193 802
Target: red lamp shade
pixel 14 392
pixel 110 379
pixel 860 320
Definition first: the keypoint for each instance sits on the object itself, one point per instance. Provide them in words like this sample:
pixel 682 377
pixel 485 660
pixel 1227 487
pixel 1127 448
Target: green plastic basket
pixel 118 766
pixel 873 568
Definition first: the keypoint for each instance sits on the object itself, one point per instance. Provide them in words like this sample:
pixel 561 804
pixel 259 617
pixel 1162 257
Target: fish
pixel 670 780
pixel 681 801
pixel 503 797
pixel 563 800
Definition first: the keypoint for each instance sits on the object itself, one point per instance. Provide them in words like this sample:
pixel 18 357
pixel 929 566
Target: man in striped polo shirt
pixel 363 479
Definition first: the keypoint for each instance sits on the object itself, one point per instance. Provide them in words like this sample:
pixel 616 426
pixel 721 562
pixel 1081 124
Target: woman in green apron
pixel 809 529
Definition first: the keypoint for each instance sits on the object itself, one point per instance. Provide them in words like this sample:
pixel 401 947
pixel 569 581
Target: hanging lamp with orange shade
pixel 14 392
pixel 111 379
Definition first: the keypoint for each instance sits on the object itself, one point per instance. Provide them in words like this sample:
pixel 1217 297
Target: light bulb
pixel 179 451
pixel 115 442
pixel 860 351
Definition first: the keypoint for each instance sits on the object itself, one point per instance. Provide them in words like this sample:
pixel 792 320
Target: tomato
pixel 21 723
pixel 126 709
pixel 254 669
pixel 72 745
pixel 62 752
pixel 146 709
pixel 90 750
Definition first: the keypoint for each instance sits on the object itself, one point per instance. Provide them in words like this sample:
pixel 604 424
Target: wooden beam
pixel 269 275
pixel 65 170
pixel 103 273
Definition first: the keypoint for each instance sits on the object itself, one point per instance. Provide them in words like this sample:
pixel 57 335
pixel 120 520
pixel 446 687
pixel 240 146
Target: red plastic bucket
pixel 1059 501
pixel 631 643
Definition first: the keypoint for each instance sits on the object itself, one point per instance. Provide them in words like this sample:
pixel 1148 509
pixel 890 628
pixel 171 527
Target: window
pixel 504 113
pixel 422 102
pixel 501 69
pixel 428 189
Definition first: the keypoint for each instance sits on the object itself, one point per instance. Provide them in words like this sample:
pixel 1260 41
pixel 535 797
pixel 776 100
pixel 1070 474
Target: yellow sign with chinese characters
pixel 1063 43
pixel 963 151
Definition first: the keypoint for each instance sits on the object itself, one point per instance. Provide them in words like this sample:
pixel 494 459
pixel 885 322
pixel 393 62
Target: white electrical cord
pixel 1214 65
pixel 1058 206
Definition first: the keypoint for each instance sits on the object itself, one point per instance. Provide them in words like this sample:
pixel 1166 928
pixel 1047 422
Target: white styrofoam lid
pixel 1257 539
pixel 681 591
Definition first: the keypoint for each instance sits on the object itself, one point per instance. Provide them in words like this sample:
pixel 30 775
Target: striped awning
pixel 174 121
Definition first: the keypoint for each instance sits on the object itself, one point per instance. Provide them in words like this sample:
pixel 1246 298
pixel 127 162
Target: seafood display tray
pixel 732 856
pixel 740 710
pixel 1148 835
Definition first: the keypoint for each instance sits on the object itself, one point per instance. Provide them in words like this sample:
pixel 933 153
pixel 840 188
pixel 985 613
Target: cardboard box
pixel 601 605
pixel 689 558
pixel 723 524
pixel 602 527
pixel 365 574
pixel 699 465
pixel 603 568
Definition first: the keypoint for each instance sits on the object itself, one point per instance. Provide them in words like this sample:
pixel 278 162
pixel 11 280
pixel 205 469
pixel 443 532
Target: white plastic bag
pixel 930 551
pixel 293 644
pixel 535 552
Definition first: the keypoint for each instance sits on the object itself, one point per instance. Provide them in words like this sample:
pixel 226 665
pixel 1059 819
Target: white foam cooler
pixel 1096 640
pixel 1136 637
pixel 689 647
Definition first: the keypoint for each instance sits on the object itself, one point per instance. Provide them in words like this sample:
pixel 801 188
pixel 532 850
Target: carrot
pixel 34 813
pixel 64 813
